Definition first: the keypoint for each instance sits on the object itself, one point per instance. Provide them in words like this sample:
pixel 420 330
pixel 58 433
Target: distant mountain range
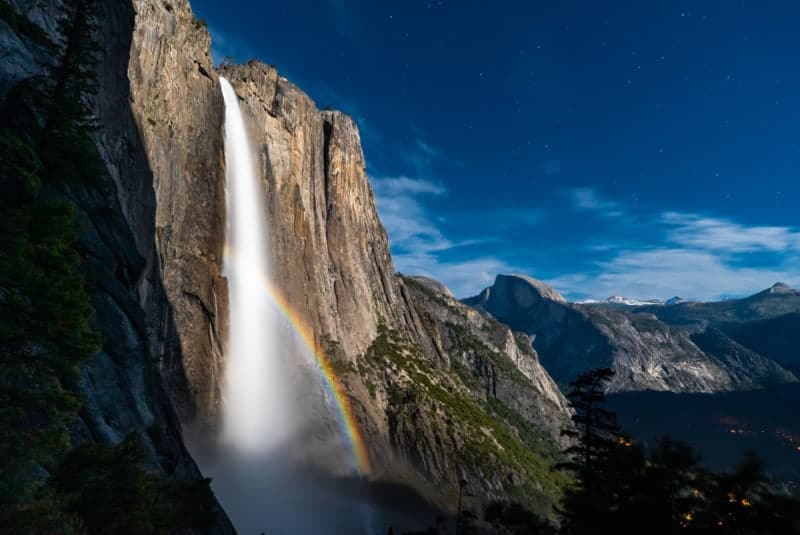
pixel 675 345
pixel 619 300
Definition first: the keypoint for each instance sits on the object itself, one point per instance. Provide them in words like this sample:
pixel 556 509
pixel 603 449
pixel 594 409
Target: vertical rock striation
pixel 331 250
pixel 178 109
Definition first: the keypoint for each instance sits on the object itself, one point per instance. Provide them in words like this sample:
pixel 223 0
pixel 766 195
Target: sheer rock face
pixel 331 253
pixel 178 108
pixel 330 249
pixel 154 248
pixel 645 352
pixel 121 385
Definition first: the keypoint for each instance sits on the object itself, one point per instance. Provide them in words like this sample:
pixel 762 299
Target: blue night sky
pixel 649 149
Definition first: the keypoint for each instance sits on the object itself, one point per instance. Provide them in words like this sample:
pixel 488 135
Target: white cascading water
pixel 254 412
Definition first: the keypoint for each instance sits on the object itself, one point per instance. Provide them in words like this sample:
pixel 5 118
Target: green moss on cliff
pixel 463 340
pixel 496 441
pixel 44 321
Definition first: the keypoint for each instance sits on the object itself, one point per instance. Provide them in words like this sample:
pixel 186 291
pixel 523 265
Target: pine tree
pixel 65 143
pixel 45 309
pixel 599 453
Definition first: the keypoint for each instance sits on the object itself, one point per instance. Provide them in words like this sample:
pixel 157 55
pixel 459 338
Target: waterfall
pixel 271 403
pixel 254 411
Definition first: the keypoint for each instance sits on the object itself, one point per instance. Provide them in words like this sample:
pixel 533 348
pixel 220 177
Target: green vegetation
pixel 495 439
pixel 465 340
pixel 496 447
pixel 621 488
pixel 535 439
pixel 99 488
pixel 341 367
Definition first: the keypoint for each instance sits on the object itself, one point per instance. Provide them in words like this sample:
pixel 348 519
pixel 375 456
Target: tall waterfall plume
pixel 280 399
pixel 254 412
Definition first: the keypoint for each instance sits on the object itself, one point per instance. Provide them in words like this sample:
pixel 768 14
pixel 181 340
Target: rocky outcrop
pixel 767 323
pixel 775 301
pixel 645 352
pixel 501 364
pixel 775 338
pixel 747 368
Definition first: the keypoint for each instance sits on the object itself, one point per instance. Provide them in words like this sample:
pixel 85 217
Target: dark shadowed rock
pixel 121 387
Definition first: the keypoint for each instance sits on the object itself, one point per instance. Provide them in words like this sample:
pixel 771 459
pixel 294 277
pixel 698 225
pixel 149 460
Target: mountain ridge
pixel 645 352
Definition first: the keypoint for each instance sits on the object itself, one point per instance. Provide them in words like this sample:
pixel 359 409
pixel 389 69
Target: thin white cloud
pixel 402 212
pixel 404 185
pixel 421 157
pixel 666 272
pixel 696 256
pixel 463 278
pixel 691 230
pixel 225 46
pixel 588 199
pixel 417 240
pixel 428 150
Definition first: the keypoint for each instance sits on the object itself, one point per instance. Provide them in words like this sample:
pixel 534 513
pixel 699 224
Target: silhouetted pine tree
pixel 608 467
pixel 65 143
pixel 619 489
pixel 596 437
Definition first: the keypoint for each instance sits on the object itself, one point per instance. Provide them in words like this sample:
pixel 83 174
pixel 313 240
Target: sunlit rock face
pixel 178 109
pixel 331 255
pixel 331 252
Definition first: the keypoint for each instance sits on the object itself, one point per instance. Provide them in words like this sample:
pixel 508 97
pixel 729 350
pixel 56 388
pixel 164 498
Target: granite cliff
pixel 767 323
pixel 121 386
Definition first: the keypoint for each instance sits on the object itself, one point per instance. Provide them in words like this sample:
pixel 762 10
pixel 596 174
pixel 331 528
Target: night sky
pixel 648 149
